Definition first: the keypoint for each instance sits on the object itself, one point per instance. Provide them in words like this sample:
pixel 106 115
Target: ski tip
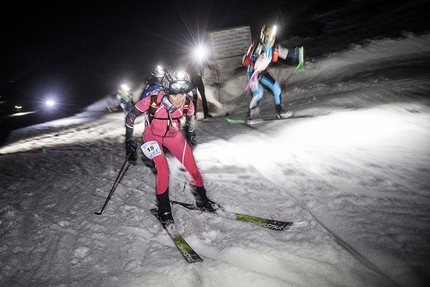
pixel 154 211
pixel 288 225
pixel 231 121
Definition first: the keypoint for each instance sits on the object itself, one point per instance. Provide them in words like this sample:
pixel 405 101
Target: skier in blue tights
pixel 257 59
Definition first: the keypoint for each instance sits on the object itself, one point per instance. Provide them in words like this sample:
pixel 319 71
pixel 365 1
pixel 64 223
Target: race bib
pixel 151 149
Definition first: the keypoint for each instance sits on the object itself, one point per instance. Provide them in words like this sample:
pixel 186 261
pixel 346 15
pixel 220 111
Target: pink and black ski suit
pixel 165 130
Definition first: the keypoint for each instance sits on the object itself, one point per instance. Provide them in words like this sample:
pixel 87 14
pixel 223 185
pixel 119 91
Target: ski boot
pixel 281 114
pixel 202 201
pixel 164 208
pixel 252 115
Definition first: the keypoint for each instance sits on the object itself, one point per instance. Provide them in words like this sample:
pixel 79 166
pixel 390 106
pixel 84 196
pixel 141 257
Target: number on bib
pixel 151 149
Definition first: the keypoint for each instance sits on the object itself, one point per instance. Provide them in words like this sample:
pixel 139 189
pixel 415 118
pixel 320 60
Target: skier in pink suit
pixel 164 130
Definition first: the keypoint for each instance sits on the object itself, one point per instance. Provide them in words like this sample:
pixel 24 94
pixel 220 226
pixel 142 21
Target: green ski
pixel 260 221
pixel 186 250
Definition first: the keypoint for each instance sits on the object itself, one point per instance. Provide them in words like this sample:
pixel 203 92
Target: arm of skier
pixel 190 126
pixel 140 107
pixel 130 144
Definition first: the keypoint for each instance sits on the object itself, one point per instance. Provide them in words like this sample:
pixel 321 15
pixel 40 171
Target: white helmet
pixel 158 72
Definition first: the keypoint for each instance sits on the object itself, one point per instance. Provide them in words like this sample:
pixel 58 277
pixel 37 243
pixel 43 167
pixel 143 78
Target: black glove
pixel 130 146
pixel 191 138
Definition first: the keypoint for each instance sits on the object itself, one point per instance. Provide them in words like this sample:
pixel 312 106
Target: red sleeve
pixel 143 104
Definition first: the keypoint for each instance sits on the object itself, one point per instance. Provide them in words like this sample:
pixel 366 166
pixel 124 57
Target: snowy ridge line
pixel 47 135
pixel 333 93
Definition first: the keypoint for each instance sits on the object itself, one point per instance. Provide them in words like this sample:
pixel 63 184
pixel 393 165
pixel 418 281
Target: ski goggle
pixel 179 87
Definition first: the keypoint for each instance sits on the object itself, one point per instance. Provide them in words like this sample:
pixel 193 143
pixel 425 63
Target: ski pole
pixel 300 66
pixel 253 78
pixel 238 103
pixel 115 184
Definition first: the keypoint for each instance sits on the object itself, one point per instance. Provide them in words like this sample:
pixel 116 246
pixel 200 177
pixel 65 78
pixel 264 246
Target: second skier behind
pixel 257 59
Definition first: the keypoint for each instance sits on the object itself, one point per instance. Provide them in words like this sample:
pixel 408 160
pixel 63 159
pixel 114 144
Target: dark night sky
pixel 129 31
pixel 85 49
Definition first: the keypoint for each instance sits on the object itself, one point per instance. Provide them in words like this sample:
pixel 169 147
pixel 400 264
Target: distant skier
pixel 197 81
pixel 196 70
pixel 257 59
pixel 124 98
pixel 165 111
pixel 153 82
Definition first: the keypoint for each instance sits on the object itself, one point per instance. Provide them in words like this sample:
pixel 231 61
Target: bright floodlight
pixel 124 87
pixel 201 53
pixel 50 103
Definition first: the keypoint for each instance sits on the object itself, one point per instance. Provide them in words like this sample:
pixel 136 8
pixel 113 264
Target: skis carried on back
pixel 260 221
pixel 186 250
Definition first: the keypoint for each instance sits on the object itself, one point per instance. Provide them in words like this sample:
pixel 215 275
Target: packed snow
pixel 353 174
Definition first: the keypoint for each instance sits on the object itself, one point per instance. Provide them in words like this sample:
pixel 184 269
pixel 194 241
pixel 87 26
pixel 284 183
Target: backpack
pixel 246 60
pixel 251 54
pixel 149 89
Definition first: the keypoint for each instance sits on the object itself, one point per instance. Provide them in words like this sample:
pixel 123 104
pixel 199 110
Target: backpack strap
pixel 153 106
pixel 155 103
pixel 186 105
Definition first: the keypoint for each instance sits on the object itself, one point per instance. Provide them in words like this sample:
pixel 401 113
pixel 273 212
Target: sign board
pixel 230 42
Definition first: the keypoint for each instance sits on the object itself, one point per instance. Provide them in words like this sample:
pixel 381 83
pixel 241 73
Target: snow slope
pixel 356 179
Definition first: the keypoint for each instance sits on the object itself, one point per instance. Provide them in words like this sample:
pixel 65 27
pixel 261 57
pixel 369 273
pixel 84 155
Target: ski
pixel 260 221
pixel 186 250
pixel 262 120
pixel 240 122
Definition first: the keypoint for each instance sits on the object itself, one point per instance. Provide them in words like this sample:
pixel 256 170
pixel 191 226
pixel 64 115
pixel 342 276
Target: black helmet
pixel 176 82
